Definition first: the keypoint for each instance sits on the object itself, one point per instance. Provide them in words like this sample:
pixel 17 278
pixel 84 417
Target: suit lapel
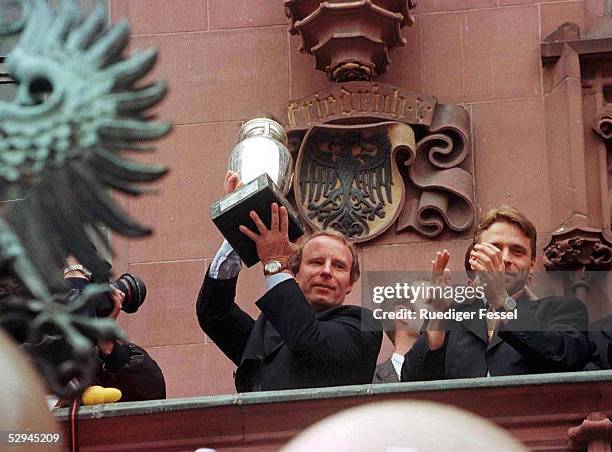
pixel 607 329
pixel 263 341
pixel 272 339
pixel 386 373
pixel 494 342
pixel 476 326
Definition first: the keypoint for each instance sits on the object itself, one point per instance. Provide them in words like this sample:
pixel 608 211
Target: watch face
pixel 510 303
pixel 272 267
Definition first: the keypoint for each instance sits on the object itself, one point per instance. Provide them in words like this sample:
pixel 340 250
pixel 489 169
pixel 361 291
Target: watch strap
pixel 78 268
pixel 277 265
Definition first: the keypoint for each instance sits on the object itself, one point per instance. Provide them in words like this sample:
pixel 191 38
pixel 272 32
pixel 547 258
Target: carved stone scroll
pixel 444 190
pixel 360 102
pixel 602 123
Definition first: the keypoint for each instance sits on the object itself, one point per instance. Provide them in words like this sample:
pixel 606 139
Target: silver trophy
pixel 265 167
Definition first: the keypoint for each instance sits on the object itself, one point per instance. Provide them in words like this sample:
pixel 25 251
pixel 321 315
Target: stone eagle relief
pixel 348 178
pixel 79 107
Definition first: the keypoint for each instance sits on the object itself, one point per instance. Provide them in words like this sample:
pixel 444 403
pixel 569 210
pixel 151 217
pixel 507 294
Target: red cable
pixel 74 409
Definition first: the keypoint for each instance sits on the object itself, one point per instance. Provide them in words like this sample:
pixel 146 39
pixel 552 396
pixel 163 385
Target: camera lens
pixel 134 289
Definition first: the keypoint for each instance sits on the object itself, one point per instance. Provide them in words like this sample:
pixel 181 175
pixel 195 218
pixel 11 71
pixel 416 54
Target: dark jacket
pixel 549 335
pixel 289 346
pixel 130 369
pixel 600 335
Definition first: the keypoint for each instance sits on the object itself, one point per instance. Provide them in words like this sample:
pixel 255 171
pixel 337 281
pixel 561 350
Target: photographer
pixel 124 366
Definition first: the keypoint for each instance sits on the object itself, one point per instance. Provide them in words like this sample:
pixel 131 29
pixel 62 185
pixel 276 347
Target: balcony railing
pixel 537 409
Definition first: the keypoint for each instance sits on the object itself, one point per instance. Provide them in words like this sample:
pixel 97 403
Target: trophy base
pixel 233 210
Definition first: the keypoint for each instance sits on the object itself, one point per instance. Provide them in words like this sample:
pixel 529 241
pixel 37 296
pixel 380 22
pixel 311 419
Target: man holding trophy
pixel 304 336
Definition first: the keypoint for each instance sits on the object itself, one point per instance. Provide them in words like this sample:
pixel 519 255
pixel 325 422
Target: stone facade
pixel 227 61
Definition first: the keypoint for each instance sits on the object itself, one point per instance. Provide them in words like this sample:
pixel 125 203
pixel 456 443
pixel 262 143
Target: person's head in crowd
pixel 390 327
pixel 325 266
pixel 382 426
pixel 10 286
pixel 515 236
pixel 402 325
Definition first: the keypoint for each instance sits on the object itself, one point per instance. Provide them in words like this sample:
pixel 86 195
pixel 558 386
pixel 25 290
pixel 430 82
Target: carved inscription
pixel 355 99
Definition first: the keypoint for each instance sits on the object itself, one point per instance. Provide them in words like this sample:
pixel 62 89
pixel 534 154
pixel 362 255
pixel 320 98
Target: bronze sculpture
pixel 78 107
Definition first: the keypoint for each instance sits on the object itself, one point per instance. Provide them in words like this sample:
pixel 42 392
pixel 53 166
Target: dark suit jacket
pixel 385 373
pixel 548 336
pixel 600 334
pixel 290 346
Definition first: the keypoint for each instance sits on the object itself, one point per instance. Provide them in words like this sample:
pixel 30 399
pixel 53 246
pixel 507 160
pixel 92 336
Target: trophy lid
pixel 263 127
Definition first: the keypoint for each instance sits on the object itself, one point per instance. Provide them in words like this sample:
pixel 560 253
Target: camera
pixel 133 288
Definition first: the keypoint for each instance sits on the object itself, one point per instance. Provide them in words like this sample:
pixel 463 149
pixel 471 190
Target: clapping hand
pixel 440 277
pixel 486 260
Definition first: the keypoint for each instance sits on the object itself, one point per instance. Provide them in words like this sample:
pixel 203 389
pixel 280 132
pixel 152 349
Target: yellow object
pixel 97 394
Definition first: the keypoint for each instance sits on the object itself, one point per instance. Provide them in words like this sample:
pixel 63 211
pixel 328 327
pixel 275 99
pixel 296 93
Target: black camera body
pixel 133 288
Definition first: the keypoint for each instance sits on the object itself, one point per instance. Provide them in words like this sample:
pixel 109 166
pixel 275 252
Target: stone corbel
pixel 579 251
pixel 584 249
pixel 350 40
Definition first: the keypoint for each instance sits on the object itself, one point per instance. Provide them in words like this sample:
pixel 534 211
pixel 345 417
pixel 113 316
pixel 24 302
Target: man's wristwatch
pixel 272 267
pixel 509 304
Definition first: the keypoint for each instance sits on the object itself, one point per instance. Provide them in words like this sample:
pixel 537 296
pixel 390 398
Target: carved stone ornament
pixel 341 132
pixel 595 433
pixel 602 125
pixel 350 40
pixel 578 249
pixel 602 122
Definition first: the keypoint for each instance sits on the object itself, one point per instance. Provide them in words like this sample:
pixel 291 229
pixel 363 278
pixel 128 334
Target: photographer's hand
pixel 117 297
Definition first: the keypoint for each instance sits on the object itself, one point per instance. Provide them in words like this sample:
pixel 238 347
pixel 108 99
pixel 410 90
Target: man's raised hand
pixel 232 182
pixel 440 277
pixel 486 260
pixel 273 243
